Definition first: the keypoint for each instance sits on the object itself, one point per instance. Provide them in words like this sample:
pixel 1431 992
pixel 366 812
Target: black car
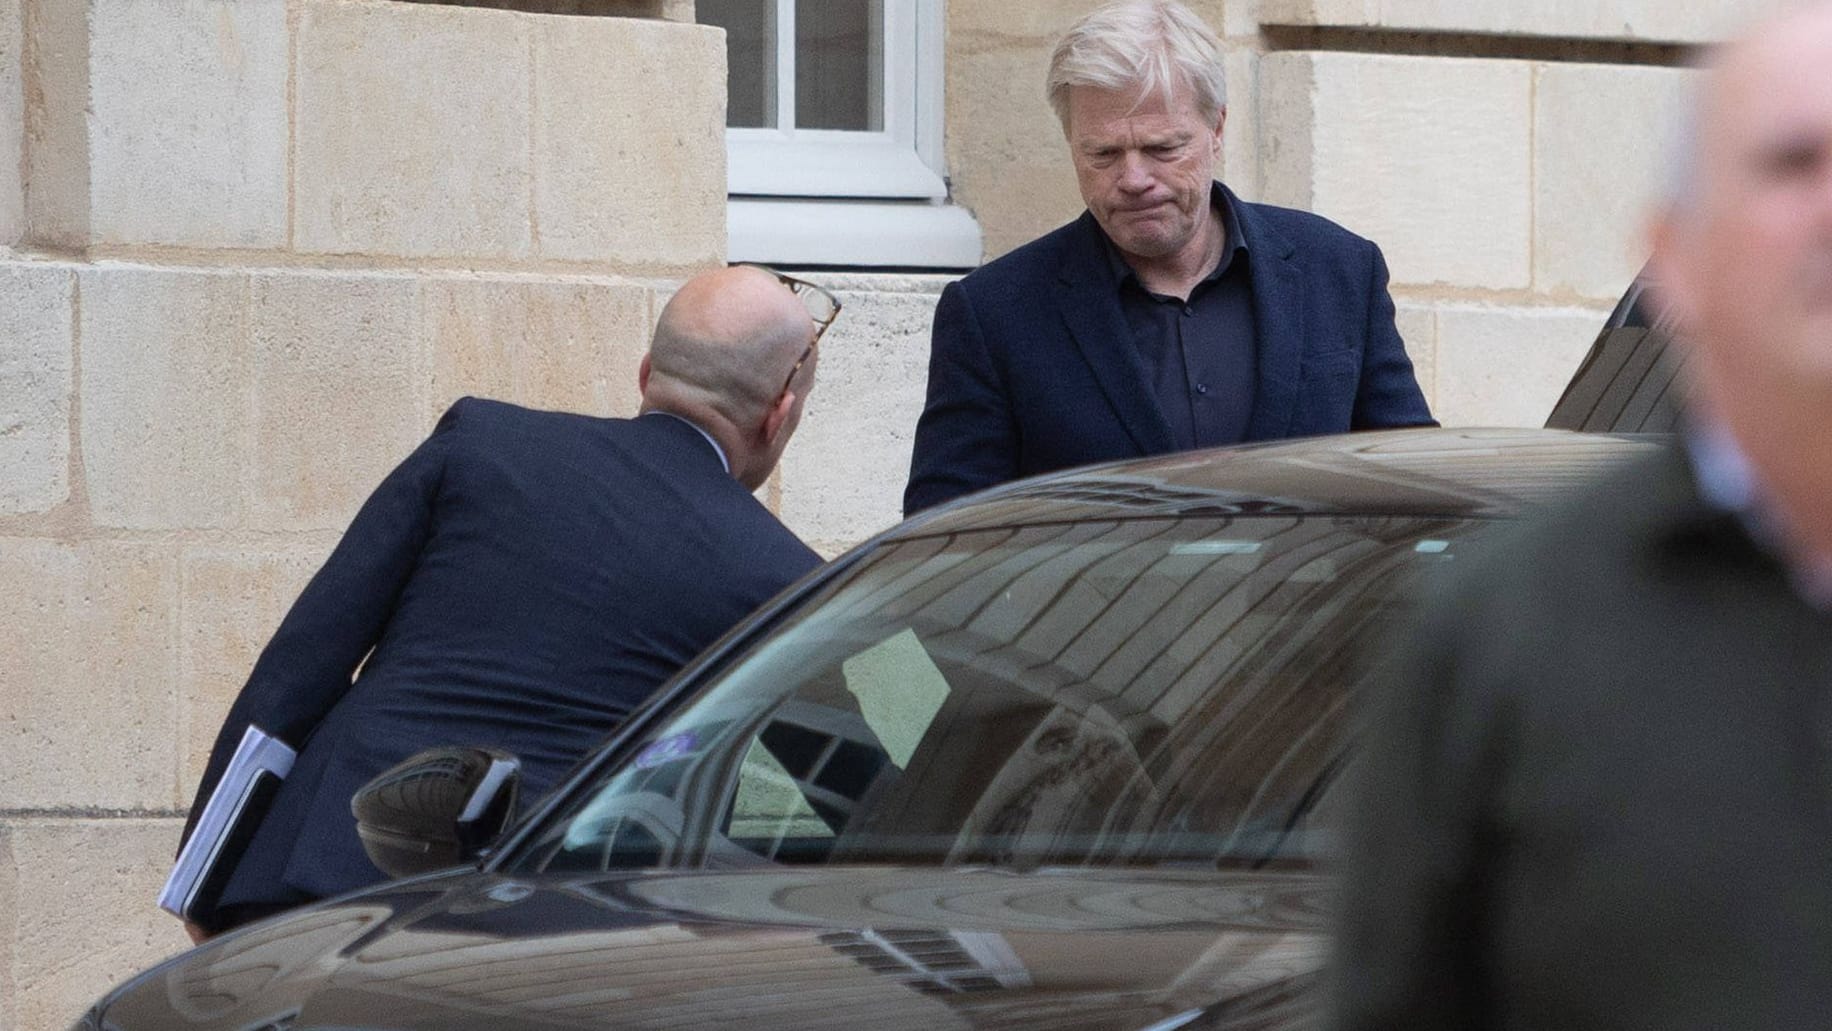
pixel 1062 755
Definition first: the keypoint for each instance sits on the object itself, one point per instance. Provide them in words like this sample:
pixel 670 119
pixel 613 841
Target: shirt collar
pixel 1233 245
pixel 1727 481
pixel 716 449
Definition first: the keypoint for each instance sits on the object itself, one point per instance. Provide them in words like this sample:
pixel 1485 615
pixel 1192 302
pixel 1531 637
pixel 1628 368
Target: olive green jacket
pixel 1598 791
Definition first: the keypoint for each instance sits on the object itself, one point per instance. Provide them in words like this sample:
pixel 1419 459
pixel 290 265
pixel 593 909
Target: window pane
pixel 750 53
pixel 839 64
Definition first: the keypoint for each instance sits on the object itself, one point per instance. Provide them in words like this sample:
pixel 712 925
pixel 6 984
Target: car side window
pixel 809 766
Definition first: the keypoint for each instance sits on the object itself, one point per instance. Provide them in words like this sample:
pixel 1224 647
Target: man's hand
pixel 198 934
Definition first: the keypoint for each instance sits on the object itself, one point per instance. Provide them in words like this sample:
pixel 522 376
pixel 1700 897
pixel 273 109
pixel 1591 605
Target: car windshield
pixel 1155 691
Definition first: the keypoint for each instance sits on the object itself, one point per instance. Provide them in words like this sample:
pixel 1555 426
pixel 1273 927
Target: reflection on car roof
pixel 1443 472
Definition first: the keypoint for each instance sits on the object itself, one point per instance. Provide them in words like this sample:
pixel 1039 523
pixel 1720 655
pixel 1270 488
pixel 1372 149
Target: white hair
pixel 1153 46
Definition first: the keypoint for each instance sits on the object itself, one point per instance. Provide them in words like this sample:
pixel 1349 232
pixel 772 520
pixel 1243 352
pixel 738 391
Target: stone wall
pixel 841 480
pixel 252 248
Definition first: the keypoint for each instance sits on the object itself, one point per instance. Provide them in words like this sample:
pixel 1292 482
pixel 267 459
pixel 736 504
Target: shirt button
pixel 1202 388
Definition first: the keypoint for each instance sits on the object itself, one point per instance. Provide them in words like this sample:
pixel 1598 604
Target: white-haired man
pixel 1599 794
pixel 1172 314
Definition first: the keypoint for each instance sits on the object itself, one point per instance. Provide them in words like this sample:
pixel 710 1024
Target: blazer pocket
pixel 1332 366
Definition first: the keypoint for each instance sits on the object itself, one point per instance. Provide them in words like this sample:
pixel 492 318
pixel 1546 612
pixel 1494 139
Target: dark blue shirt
pixel 1198 354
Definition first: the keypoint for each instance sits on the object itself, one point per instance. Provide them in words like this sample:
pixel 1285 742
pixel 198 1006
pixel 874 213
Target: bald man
pixel 1599 792
pixel 525 578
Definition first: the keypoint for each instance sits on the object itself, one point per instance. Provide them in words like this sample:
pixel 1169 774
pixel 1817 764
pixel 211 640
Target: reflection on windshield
pixel 1130 691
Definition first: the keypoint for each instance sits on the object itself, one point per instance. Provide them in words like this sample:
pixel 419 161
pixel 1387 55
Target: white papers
pixel 235 808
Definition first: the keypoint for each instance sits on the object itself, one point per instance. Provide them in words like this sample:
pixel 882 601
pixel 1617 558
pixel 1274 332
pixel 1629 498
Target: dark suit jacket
pixel 1032 367
pixel 524 579
pixel 1599 792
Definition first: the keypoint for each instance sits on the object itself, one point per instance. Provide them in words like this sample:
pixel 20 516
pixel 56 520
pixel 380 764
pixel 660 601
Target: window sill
pixel 852 233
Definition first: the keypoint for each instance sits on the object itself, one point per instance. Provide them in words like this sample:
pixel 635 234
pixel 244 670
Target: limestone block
pixel 1046 20
pixel 9 927
pixel 55 70
pixel 85 919
pixel 670 10
pixel 35 384
pixel 1239 19
pixel 843 474
pixel 1429 157
pixel 1286 97
pixel 1009 163
pixel 87 686
pixel 229 603
pixel 1601 137
pixel 189 125
pixel 1507 366
pixel 1240 136
pixel 164 396
pixel 572 345
pixel 12 135
pixel 975 22
pixel 629 141
pixel 1418 327
pixel 1632 20
pixel 411 131
pixel 337 392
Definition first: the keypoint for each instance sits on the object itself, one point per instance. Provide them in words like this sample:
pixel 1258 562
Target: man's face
pixel 1748 261
pixel 1144 167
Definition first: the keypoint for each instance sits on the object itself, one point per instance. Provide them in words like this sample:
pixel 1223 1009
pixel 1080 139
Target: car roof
pixel 1466 473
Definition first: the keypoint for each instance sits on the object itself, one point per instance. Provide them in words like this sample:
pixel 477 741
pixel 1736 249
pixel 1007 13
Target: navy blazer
pixel 1032 366
pixel 521 581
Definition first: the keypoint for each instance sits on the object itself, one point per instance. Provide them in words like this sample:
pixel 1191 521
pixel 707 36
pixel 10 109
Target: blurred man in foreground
pixel 524 579
pixel 1599 795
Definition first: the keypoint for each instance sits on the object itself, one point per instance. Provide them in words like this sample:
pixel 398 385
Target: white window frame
pixel 793 162
pixel 826 197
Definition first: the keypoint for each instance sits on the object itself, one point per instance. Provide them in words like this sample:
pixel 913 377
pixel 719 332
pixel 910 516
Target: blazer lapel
pixel 1091 311
pixel 1280 325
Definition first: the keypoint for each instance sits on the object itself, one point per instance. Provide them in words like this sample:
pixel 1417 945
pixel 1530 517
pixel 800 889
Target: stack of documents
pixel 228 821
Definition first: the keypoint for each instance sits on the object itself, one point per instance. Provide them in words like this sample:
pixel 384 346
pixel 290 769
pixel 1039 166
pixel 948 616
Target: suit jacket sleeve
pixel 1388 396
pixel 337 619
pixel 967 438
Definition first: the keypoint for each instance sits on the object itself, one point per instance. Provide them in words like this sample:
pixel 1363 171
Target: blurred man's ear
pixel 642 375
pixel 1669 271
pixel 777 418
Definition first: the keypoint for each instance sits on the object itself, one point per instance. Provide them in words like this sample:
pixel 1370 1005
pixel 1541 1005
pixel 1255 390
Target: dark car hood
pixel 800 948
